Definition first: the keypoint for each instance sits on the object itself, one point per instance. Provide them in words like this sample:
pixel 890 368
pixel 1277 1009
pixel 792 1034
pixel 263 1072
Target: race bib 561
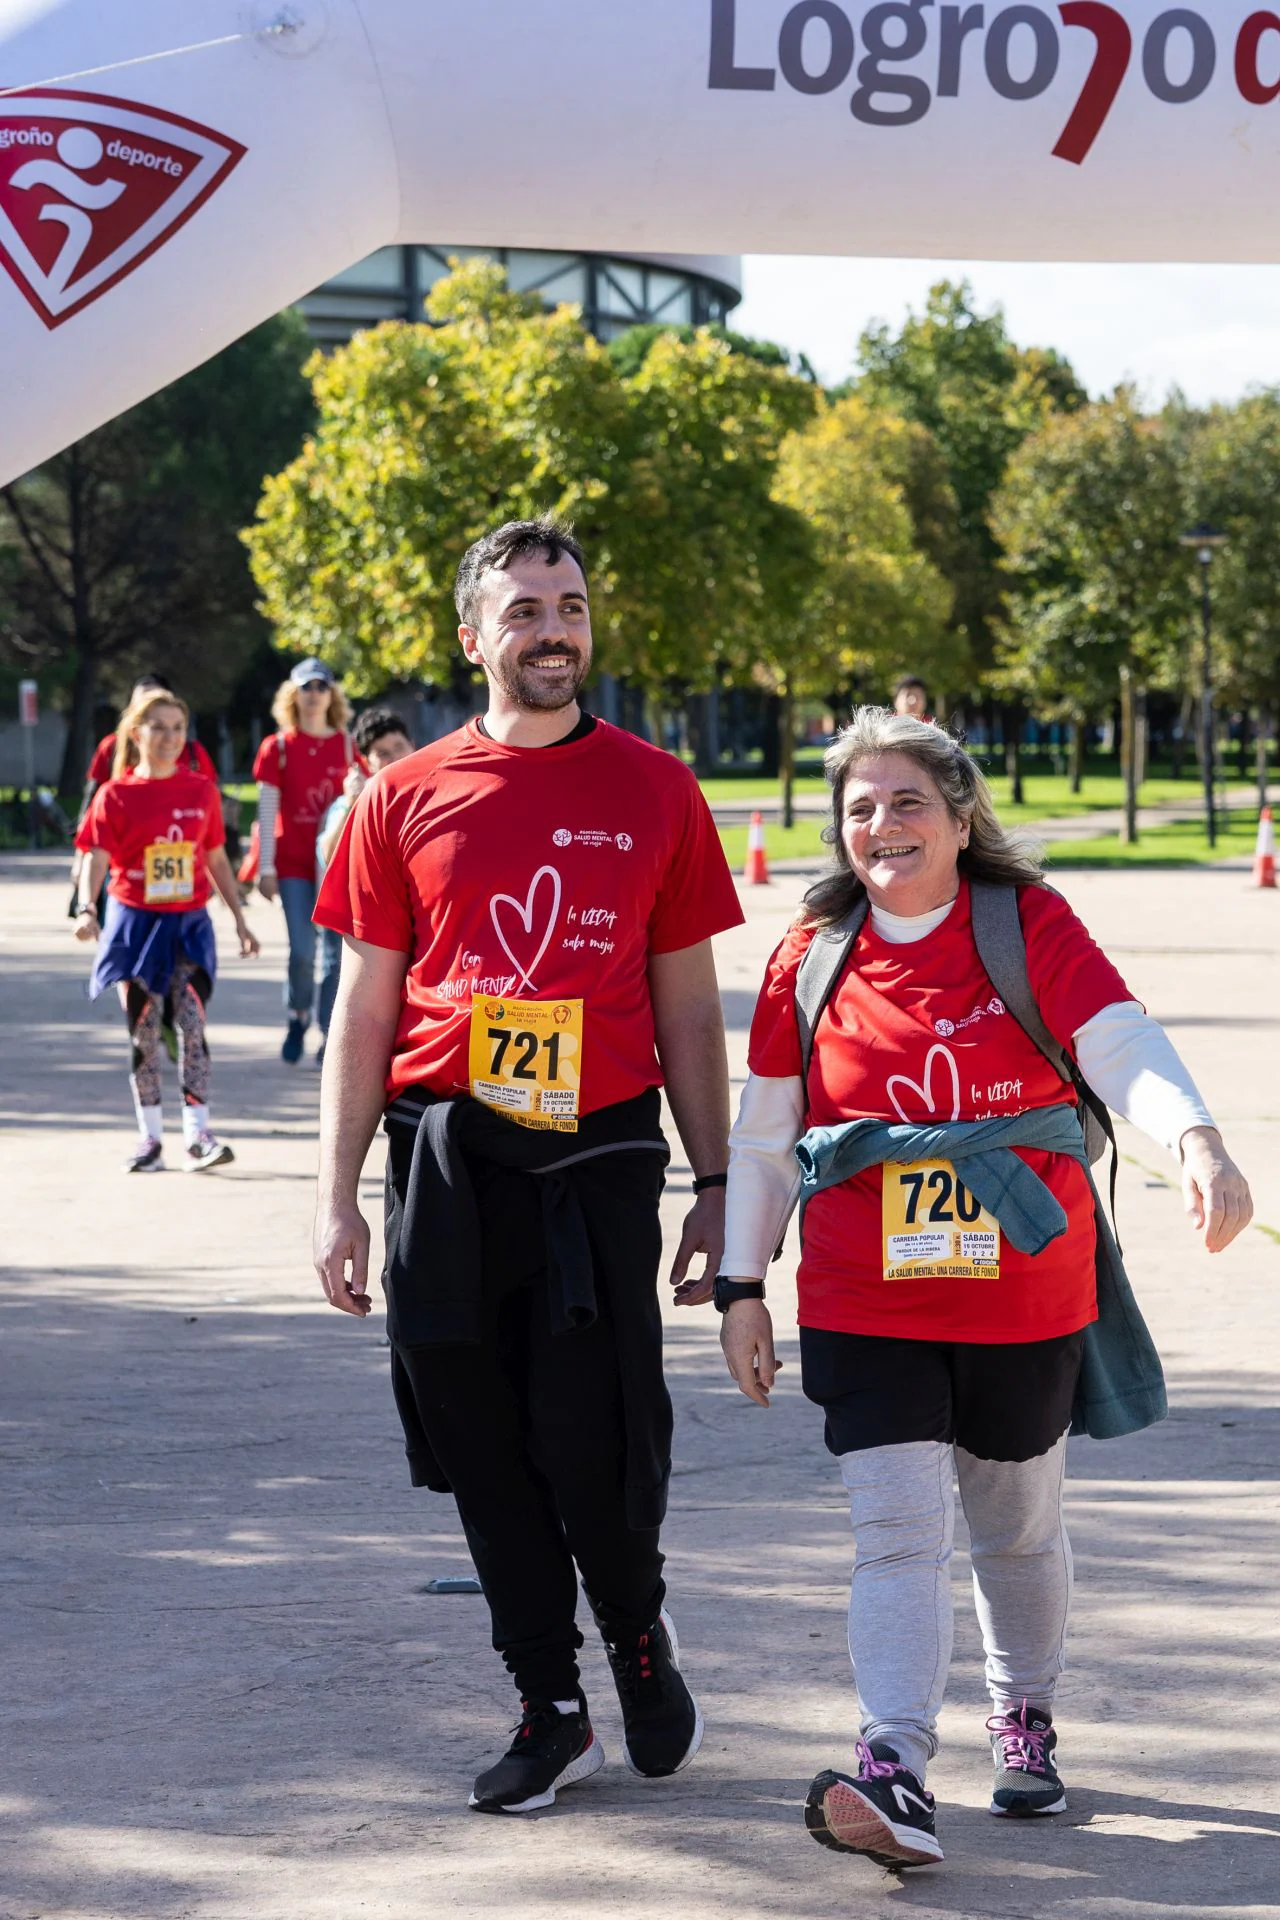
pixel 169 871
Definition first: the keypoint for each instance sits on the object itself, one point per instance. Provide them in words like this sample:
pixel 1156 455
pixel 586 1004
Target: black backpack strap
pixel 819 972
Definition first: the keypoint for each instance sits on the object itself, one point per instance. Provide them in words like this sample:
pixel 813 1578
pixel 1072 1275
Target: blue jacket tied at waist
pixel 1121 1387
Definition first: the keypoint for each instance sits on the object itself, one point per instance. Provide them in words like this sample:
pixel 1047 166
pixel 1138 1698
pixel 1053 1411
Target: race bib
pixel 169 871
pixel 933 1227
pixel 526 1060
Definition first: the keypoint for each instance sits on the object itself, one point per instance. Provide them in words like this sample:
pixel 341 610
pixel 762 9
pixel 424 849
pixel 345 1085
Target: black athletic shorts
pixel 998 1402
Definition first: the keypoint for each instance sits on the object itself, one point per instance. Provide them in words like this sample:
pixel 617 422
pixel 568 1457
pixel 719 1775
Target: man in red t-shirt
pixel 527 907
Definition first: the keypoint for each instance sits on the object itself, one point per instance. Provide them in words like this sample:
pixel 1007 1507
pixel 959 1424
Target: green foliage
pixel 122 551
pixel 1089 520
pixel 428 435
pixel 956 373
pixel 631 349
pixel 1233 479
pixel 874 603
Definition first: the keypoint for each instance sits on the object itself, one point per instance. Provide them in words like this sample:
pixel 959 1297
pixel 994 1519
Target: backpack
pixel 1002 949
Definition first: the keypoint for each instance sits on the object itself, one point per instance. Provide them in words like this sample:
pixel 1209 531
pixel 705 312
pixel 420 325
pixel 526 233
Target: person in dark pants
pixel 527 909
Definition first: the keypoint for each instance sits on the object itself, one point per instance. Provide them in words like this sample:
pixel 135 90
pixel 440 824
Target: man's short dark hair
pixel 909 681
pixel 375 725
pixel 498 549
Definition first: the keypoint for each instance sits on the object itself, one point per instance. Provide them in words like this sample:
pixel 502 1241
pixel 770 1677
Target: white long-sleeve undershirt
pixel 1126 1057
pixel 268 814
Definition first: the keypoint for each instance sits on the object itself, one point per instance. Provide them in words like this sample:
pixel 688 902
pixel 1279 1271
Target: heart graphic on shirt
pixel 925 1093
pixel 526 915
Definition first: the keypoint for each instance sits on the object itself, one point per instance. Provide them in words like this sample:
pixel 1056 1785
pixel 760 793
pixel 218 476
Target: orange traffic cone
pixel 1264 858
pixel 756 871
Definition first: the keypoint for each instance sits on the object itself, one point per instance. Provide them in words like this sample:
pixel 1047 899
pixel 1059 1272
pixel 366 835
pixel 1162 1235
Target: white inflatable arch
pixel 170 175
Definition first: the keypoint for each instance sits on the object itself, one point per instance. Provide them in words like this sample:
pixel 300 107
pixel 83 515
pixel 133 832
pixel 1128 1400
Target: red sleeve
pixel 774 1048
pixel 100 765
pixel 1071 978
pixel 365 891
pixel 95 829
pixel 215 834
pixel 697 896
pixel 266 766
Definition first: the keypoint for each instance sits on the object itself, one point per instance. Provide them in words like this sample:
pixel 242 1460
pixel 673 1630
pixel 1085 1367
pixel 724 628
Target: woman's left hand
pixel 248 940
pixel 1214 1191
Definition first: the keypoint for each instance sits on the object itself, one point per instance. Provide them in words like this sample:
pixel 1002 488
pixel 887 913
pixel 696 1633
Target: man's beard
pixel 535 689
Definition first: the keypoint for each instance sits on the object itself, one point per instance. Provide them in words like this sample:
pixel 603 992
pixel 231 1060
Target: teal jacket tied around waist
pixel 1121 1388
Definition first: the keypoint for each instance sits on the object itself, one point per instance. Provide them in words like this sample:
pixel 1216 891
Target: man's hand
pixel 1214 1191
pixel 249 943
pixel 340 1240
pixel 268 886
pixel 746 1337
pixel 703 1233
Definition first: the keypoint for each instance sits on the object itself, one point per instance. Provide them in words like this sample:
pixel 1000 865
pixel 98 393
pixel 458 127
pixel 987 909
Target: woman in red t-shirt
pixel 159 832
pixel 300 772
pixel 933 1344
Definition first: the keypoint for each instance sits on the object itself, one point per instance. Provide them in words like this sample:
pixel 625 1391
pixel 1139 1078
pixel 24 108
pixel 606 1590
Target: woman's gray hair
pixel 992 854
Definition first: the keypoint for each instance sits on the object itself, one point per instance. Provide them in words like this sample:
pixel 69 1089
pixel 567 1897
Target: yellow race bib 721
pixel 525 1059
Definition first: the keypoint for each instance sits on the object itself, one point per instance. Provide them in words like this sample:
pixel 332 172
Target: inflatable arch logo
pixel 90 187
pixel 1016 50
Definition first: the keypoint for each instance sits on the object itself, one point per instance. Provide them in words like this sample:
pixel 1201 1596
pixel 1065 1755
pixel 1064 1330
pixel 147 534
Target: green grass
pixel 1183 844
pixel 1047 796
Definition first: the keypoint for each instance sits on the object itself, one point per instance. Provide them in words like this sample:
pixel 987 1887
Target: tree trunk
pixel 80 742
pixel 771 738
pixel 1129 757
pixel 1180 738
pixel 1077 753
pixel 1242 746
pixel 1013 754
pixel 1260 743
pixel 787 756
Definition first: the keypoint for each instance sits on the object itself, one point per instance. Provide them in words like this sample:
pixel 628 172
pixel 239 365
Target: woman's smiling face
pixel 899 835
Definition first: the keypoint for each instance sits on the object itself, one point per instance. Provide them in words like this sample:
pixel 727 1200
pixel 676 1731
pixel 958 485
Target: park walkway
pixel 228 1696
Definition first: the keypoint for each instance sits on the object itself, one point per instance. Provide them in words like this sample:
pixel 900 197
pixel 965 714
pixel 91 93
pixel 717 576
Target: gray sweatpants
pixel 902 1502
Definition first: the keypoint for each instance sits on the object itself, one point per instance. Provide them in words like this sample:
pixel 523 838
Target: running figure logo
pixel 90 186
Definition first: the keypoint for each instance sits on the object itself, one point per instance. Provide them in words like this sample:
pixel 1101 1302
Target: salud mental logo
pixel 89 187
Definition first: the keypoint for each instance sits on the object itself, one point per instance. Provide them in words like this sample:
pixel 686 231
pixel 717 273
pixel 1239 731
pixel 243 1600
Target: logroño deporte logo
pixel 90 186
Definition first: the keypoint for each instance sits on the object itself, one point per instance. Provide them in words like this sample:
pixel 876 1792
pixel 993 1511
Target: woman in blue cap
pixel 300 771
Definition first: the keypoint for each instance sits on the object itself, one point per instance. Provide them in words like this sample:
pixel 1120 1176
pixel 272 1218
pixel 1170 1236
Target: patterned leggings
pixel 183 1009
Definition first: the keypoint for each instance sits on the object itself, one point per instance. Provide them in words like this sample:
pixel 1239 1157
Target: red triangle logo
pixel 90 187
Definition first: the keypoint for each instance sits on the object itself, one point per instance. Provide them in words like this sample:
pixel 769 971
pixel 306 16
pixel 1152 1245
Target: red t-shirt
pixel 105 752
pixel 535 873
pixel 917 1033
pixel 309 780
pixel 145 826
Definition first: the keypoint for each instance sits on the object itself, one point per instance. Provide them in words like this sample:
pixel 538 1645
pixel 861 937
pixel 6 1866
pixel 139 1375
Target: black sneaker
pixel 291 1051
pixel 662 1721
pixel 147 1156
pixel 551 1750
pixel 1027 1782
pixel 883 1812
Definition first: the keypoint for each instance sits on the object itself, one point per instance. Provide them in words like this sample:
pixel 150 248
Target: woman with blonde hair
pixel 926 1040
pixel 300 770
pixel 156 826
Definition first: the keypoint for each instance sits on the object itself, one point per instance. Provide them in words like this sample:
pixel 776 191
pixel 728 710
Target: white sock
pixel 195 1121
pixel 150 1120
pixel 566 1706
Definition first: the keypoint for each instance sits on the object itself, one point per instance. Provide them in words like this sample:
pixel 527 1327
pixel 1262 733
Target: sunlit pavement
pixel 226 1693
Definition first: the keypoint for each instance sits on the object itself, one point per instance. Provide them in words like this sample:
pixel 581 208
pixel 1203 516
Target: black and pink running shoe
pixel 1027 1782
pixel 883 1811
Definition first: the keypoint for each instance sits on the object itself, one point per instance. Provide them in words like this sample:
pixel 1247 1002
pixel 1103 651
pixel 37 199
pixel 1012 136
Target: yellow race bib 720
pixel 933 1227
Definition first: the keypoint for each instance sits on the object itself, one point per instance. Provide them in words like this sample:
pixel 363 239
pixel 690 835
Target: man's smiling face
pixel 534 634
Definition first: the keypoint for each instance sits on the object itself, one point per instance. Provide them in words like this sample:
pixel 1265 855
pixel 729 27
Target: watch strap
pixel 727 1291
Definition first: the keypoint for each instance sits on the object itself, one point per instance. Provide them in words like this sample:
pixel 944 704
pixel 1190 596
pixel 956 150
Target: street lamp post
pixel 1205 540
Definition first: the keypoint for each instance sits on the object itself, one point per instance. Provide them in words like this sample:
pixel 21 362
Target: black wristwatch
pixel 727 1291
